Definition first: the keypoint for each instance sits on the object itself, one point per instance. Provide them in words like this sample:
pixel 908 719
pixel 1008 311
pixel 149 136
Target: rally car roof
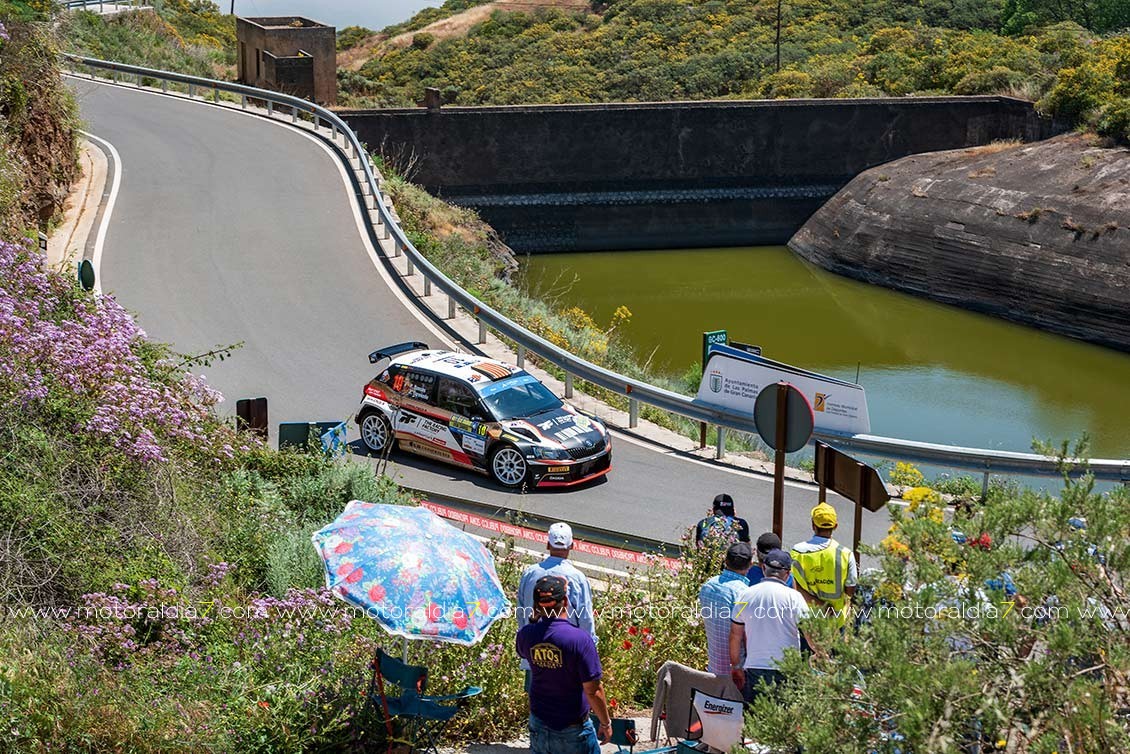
pixel 464 366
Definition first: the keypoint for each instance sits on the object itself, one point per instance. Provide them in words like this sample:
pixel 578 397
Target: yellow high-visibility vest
pixel 822 574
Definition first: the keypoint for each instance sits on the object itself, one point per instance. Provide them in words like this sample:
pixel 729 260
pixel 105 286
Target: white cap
pixel 560 536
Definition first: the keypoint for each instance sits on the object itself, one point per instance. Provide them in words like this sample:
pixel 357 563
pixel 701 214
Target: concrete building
pixel 289 54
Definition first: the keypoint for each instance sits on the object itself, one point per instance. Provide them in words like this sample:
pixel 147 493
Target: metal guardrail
pixel 636 391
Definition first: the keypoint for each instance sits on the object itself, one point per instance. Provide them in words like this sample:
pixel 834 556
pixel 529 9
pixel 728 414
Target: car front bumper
pixel 560 474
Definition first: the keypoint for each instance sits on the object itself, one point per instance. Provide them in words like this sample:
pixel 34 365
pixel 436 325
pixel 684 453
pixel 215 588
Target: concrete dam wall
pixel 670 175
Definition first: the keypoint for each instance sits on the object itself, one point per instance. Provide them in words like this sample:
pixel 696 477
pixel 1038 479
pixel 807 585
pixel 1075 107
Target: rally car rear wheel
pixel 376 432
pixel 508 466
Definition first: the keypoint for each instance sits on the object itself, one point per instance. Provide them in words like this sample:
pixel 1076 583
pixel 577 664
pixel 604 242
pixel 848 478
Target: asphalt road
pixel 228 228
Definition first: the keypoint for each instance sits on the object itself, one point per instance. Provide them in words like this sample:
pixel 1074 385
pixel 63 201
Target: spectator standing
pixel 559 544
pixel 825 571
pixel 722 521
pixel 766 543
pixel 565 677
pixel 767 620
pixel 716 601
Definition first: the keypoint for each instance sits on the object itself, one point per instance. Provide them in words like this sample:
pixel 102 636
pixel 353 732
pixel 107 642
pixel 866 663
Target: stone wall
pixel 1038 234
pixel 665 175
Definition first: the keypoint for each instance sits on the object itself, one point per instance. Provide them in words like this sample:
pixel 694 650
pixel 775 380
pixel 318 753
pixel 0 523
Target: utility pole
pixel 778 34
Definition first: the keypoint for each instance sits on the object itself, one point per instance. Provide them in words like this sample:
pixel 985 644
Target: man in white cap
pixel 559 543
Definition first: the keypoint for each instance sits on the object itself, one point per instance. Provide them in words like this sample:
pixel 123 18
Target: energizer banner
pixel 733 379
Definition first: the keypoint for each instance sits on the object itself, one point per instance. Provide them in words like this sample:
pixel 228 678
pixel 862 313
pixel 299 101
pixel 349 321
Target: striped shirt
pixel 716 606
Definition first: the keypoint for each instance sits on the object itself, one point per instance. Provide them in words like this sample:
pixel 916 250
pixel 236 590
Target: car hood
pixel 564 427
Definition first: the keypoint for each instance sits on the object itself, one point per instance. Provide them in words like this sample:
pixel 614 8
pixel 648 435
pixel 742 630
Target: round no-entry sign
pixel 798 417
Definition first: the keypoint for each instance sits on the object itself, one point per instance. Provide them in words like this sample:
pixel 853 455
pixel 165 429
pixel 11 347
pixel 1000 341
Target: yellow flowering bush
pixel 916 496
pixel 907 475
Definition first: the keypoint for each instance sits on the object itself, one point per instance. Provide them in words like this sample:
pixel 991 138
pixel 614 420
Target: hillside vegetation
pixel 636 50
pixel 188 36
pixel 38 153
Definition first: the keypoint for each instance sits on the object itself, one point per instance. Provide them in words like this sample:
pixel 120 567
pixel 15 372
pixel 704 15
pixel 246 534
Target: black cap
pixel 778 560
pixel 739 555
pixel 723 501
pixel 768 542
pixel 549 591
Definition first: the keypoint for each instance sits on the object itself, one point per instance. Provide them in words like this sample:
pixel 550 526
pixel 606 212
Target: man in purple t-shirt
pixel 565 682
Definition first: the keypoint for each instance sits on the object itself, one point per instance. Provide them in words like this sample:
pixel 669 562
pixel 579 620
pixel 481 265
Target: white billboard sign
pixel 733 379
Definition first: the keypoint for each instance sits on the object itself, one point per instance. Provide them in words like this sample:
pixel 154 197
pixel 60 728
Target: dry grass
pixel 1000 145
pixel 446 28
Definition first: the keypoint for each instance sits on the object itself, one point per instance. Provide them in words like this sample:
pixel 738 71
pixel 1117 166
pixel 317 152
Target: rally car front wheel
pixel 508 466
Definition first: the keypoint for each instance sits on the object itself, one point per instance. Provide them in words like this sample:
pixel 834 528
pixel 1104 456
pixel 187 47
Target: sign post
pixel 784 420
pixel 709 338
pixel 852 479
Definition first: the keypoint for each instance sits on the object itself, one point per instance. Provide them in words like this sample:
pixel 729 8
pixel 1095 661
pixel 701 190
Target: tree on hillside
pixel 1096 15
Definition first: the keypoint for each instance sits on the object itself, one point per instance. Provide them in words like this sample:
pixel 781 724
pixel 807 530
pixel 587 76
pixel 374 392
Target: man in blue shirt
pixel 566 677
pixel 722 522
pixel 716 605
pixel 766 543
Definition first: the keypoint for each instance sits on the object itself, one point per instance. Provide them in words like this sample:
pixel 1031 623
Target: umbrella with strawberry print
pixel 417 575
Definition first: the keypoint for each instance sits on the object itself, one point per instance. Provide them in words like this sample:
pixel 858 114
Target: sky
pixel 375 14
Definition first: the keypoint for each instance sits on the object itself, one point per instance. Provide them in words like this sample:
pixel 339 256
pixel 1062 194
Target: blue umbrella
pixel 420 577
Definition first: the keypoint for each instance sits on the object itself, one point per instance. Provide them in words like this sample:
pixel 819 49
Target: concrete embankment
pixel 1036 233
pixel 671 175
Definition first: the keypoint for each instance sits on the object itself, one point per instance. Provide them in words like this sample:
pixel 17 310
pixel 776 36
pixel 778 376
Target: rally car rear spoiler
pixel 389 351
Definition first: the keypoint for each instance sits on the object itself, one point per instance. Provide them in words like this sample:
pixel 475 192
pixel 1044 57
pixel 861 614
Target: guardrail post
pixel 243 101
pixel 450 306
pixel 293 114
pixel 985 486
pixel 317 122
pixel 215 94
pixel 411 267
pixel 633 412
pixel 165 86
pixel 482 332
pixel 427 286
pixel 720 451
pixel 270 109
pixel 191 91
pixel 568 384
pixel 521 357
pixel 139 81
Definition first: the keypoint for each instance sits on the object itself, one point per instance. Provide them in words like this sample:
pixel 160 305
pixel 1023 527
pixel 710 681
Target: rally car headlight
pixel 552 454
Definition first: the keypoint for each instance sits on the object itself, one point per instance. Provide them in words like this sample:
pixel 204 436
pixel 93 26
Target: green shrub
pixel 787 85
pixel 1114 120
pixel 422 40
pixel 993 81
pixel 1078 92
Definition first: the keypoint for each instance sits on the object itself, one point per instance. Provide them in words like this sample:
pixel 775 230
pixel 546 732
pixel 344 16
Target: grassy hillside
pixel 628 50
pixel 38 157
pixel 189 36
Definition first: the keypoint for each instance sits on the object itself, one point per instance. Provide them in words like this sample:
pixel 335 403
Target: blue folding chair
pixel 423 717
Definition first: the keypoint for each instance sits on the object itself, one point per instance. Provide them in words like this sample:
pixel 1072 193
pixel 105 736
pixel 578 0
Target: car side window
pixel 457 398
pixel 419 386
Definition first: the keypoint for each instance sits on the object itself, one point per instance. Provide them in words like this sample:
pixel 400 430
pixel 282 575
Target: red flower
pixel 648 640
pixel 612 703
pixel 633 630
pixel 377 593
pixel 354 577
pixel 264 705
pixel 343 548
pixel 344 568
pixel 434 613
pixel 627 644
pixel 460 620
pixel 646 631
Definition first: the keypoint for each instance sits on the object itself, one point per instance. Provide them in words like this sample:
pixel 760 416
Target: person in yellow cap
pixel 824 571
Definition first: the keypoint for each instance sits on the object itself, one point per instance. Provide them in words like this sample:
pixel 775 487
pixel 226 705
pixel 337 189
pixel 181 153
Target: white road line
pixel 103 226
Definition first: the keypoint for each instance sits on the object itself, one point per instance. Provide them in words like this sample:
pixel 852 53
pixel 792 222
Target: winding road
pixel 232 228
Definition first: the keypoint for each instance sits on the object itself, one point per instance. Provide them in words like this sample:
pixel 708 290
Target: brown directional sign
pixel 850 478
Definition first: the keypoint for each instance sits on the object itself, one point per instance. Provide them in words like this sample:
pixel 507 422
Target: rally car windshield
pixel 517 397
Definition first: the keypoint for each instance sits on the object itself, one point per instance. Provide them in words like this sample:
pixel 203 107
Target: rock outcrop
pixel 1035 233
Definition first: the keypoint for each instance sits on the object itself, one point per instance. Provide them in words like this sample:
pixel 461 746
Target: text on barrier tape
pixel 533 535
